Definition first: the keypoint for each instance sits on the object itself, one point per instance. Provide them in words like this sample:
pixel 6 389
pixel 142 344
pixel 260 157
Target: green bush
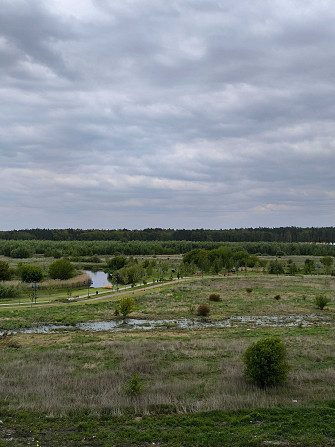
pixel 21 252
pixel 203 310
pixel 126 306
pixel 321 301
pixel 61 269
pixel 5 272
pixel 266 362
pixel 8 291
pixel 31 273
pixel 214 297
pixel 134 385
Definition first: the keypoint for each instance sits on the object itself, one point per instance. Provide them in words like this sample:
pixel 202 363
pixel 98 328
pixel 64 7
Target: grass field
pixel 72 387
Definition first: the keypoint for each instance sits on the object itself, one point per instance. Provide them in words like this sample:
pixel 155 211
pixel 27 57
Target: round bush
pixel 266 362
pixel 31 273
pixel 203 310
pixel 61 269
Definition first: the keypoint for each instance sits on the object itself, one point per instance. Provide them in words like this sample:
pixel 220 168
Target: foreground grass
pixel 182 371
pixel 285 427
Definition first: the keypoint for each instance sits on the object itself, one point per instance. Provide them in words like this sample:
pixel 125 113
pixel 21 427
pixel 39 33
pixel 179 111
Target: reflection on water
pixel 100 279
pixel 131 324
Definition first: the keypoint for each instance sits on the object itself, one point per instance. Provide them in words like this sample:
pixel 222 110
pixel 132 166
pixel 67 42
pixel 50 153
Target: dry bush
pixel 203 310
pixel 214 297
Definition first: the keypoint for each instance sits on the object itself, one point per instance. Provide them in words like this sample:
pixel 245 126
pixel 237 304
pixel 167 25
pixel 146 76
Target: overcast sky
pixel 173 114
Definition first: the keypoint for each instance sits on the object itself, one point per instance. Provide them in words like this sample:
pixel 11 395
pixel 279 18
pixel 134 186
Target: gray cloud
pixel 174 114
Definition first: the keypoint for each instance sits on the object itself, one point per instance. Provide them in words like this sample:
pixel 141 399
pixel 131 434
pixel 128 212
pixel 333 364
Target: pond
pixel 131 324
pixel 99 278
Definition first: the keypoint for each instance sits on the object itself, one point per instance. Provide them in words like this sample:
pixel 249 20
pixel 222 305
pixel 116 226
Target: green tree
pixel 21 251
pixel 126 306
pixel 327 261
pixel 266 362
pixel 276 267
pixel 292 267
pixel 5 273
pixel 309 266
pixel 116 263
pixel 31 273
pixel 61 269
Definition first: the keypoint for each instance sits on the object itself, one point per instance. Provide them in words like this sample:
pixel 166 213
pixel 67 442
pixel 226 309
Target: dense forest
pixel 57 249
pixel 280 234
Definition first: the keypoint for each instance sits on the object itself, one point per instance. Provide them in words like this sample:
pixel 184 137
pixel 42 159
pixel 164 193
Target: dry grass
pixel 193 372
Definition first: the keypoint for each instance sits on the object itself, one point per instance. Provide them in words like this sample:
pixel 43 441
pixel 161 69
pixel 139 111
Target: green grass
pixel 289 427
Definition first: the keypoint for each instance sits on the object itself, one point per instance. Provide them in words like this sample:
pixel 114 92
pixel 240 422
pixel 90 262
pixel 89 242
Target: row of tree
pixel 28 248
pixel 60 269
pixel 280 234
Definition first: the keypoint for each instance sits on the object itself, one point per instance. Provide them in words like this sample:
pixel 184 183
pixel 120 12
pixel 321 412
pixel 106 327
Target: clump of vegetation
pixel 31 273
pixel 126 306
pixel 321 301
pixel 266 362
pixel 5 272
pixel 61 269
pixel 134 386
pixel 203 310
pixel 249 289
pixel 214 297
pixel 9 291
pixel 277 297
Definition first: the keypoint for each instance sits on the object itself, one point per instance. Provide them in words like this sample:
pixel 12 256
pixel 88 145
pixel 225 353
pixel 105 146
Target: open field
pixel 72 387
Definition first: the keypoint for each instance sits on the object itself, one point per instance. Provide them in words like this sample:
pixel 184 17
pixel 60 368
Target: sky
pixel 174 114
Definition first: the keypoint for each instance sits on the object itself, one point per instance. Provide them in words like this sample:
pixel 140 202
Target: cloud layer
pixel 183 114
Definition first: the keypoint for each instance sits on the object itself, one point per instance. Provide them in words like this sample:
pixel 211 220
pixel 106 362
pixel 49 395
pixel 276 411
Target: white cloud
pixel 191 114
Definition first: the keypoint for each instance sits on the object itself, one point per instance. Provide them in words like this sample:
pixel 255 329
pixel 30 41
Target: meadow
pixel 172 386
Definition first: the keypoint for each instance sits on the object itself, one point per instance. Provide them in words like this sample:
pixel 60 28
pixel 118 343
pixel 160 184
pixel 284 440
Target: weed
pixel 134 386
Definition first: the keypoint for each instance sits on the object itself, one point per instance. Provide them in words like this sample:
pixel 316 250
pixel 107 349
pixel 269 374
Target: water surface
pixel 132 324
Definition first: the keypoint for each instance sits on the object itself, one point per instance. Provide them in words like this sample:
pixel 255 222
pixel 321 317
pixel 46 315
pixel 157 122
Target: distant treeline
pixel 281 234
pixel 57 249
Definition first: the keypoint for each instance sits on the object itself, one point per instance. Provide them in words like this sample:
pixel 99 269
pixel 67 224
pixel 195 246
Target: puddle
pixel 131 324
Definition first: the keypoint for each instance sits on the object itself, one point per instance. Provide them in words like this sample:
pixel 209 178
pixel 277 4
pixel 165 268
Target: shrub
pixel 266 363
pixel 8 291
pixel 214 297
pixel 61 269
pixel 203 310
pixel 134 386
pixel 126 306
pixel 5 272
pixel 31 273
pixel 21 252
pixel 249 289
pixel 321 301
pixel 277 297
